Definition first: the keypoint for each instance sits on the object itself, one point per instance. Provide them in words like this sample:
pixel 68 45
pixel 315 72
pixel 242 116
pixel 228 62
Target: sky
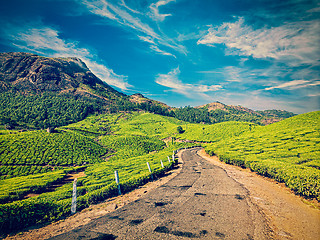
pixel 262 54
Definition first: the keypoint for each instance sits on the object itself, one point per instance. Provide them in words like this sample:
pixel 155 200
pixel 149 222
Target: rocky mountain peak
pixel 30 72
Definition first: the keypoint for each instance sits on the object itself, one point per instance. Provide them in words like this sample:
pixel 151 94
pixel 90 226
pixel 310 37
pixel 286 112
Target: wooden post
pixel 117 181
pixel 169 159
pixel 161 164
pixel 74 197
pixel 173 157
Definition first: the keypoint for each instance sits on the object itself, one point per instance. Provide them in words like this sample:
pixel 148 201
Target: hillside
pixel 287 151
pixel 26 72
pixel 39 92
pixel 140 99
pixel 219 112
pixel 99 145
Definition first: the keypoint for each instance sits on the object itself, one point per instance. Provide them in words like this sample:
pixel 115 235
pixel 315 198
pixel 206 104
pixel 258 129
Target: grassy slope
pixel 287 151
pixel 131 148
pixel 38 151
pixel 215 132
pixel 147 124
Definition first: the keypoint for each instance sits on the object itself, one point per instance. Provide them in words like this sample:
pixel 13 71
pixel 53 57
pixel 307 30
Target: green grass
pixel 128 146
pixel 92 140
pixel 147 124
pixel 97 185
pixel 38 151
pixel 287 151
pixel 215 132
pixel 16 188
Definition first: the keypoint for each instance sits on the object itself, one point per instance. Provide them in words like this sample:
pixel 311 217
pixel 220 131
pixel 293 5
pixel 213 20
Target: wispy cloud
pixel 129 8
pixel 295 84
pixel 38 38
pixel 118 13
pixel 132 19
pixel 172 81
pixel 314 94
pixel 158 50
pixel 154 7
pixel 260 102
pixel 295 43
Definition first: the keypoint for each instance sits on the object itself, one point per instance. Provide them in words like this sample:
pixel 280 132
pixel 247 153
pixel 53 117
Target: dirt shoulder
pixel 94 211
pixel 289 216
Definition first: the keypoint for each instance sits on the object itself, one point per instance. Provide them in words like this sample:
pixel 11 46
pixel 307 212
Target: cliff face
pixel 29 72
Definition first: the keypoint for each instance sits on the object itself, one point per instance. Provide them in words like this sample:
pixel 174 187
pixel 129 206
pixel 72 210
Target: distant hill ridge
pixel 27 72
pixel 267 116
pixel 139 98
pixel 218 105
pixel 35 88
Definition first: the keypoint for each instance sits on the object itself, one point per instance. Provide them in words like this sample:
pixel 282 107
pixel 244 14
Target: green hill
pixel 38 92
pixel 22 154
pixel 99 130
pixel 287 151
pixel 99 144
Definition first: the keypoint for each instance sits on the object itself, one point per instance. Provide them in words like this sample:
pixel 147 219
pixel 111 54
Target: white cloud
pixel 154 7
pixel 156 49
pixel 130 9
pixel 314 94
pixel 295 84
pixel 255 101
pixel 132 19
pixel 120 15
pixel 172 81
pixel 295 43
pixel 107 75
pixel 147 39
pixel 154 46
pixel 45 40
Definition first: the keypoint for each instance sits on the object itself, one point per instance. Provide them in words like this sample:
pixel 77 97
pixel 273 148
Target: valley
pixel 58 121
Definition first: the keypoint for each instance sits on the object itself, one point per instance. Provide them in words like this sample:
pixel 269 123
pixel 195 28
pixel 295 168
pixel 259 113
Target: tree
pixel 180 129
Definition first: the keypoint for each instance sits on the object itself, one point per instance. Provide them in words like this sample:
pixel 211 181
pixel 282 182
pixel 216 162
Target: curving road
pixel 201 202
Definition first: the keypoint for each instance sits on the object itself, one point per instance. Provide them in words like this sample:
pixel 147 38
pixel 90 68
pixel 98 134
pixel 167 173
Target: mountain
pixel 220 112
pixel 30 73
pixel 40 92
pixel 140 99
pixel 218 105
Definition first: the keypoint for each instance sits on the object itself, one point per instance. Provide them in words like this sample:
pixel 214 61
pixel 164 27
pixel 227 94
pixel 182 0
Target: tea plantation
pixel 287 151
pixel 31 162
pixel 98 144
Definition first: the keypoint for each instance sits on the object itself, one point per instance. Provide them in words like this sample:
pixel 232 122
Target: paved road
pixel 201 202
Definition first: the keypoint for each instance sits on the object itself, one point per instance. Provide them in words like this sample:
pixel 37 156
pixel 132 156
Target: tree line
pixel 45 110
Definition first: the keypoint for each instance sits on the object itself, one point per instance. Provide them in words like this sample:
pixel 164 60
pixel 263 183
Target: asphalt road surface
pixel 201 202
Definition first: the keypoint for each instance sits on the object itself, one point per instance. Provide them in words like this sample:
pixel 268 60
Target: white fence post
pixel 150 170
pixel 173 158
pixel 117 181
pixel 74 197
pixel 169 159
pixel 161 163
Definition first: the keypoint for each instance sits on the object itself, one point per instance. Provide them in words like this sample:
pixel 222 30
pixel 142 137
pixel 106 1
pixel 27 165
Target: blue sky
pixel 261 54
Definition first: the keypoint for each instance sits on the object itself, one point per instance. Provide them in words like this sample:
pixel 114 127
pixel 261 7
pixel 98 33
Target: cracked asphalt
pixel 201 202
